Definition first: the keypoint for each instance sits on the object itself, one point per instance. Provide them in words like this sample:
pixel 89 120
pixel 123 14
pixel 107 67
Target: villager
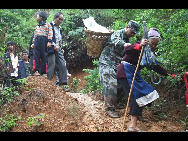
pixel 41 41
pixel 143 94
pixel 56 61
pixel 110 58
pixel 10 65
pixel 24 66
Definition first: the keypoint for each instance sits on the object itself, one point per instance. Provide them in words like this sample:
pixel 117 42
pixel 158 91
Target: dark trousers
pixel 56 62
pixel 31 64
pixel 134 108
pixel 40 54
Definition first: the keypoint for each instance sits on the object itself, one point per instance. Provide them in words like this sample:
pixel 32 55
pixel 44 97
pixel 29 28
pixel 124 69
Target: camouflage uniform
pixel 109 60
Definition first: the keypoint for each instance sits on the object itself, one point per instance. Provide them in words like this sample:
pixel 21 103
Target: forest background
pixel 18 25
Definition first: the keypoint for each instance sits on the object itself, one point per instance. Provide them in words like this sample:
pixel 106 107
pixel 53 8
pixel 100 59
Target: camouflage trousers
pixel 109 85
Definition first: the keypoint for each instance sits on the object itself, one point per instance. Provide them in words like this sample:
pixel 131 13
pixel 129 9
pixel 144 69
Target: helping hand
pixel 56 48
pixel 32 46
pixel 143 43
pixel 49 44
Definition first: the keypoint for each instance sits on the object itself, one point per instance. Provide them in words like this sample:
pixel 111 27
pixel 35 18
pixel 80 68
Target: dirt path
pixel 99 121
pixel 95 116
pixel 93 107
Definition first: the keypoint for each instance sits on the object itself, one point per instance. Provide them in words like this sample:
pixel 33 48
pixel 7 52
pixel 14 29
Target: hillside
pixel 44 107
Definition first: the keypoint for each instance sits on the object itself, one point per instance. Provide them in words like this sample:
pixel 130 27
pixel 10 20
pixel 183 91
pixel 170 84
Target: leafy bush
pixel 93 79
pixel 34 121
pixel 8 122
pixel 7 94
pixel 17 25
pixel 75 83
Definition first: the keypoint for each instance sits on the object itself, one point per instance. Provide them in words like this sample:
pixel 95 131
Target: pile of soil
pixel 62 112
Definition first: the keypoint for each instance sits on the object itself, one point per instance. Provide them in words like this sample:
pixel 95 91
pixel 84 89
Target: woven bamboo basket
pixel 95 42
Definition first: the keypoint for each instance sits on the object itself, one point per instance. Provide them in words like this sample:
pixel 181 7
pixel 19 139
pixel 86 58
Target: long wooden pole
pixel 138 64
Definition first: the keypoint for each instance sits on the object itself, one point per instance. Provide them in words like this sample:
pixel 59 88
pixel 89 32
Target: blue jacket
pixel 22 69
pixel 51 49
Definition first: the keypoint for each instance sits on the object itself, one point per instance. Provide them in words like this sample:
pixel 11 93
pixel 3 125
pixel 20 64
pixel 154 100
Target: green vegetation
pixel 34 121
pixel 8 122
pixel 7 94
pixel 75 83
pixel 93 79
pixel 19 24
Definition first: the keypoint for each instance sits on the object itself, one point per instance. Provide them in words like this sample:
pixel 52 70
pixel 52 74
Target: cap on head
pixel 153 32
pixel 134 26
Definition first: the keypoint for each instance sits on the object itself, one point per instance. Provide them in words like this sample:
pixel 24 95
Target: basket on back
pixel 95 42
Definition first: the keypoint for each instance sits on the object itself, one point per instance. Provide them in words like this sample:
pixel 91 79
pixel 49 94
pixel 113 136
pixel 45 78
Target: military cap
pixel 134 26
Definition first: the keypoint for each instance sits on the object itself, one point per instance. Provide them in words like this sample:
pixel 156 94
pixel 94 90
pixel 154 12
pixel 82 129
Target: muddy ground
pixel 45 107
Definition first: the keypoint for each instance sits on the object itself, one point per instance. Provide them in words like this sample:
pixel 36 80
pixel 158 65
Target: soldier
pixel 109 60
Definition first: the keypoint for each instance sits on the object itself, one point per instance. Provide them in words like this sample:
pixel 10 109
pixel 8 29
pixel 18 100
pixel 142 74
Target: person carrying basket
pixel 110 58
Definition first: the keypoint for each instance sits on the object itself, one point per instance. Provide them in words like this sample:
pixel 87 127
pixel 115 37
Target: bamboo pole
pixel 138 64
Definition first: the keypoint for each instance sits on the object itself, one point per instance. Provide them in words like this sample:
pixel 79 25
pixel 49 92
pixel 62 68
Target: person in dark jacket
pixel 56 61
pixel 24 66
pixel 125 75
pixel 10 65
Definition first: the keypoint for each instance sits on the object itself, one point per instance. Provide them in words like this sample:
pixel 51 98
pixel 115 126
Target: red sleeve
pixel 137 47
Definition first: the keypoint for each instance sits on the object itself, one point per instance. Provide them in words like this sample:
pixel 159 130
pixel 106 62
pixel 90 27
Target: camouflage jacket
pixel 113 51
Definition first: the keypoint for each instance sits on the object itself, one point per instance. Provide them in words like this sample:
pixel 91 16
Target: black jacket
pixel 7 64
